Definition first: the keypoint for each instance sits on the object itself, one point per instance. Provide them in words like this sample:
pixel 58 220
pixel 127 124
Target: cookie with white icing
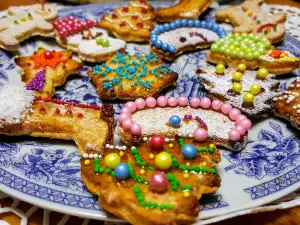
pixel 91 42
pixel 21 24
pixel 201 119
pixel 172 39
pixel 226 87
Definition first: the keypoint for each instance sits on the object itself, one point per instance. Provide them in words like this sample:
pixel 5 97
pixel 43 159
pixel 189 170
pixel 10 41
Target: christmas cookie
pixel 129 77
pixel 131 23
pixel 85 37
pixel 22 24
pixel 184 9
pixel 91 127
pixel 252 19
pixel 253 51
pixel 172 39
pixel 201 120
pixel 45 70
pixel 287 105
pixel 159 182
pixel 247 90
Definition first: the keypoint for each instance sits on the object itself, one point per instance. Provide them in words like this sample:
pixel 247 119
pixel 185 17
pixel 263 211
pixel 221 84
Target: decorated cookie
pixel 253 51
pixel 45 70
pixel 184 9
pixel 147 185
pixel 252 19
pixel 85 37
pixel 287 105
pixel 201 120
pixel 246 90
pixel 129 77
pixel 172 39
pixel 21 24
pixel 131 23
pixel 21 113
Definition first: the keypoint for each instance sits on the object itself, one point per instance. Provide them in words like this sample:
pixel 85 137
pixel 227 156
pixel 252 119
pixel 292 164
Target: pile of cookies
pixel 171 144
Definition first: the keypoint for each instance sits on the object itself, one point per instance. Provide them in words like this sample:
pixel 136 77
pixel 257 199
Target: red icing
pixel 79 115
pixel 69 111
pixel 42 108
pixel 268 25
pixel 134 17
pixel 114 16
pixel 140 25
pixel 144 10
pixel 123 24
pixel 125 9
pixel 57 111
pixel 182 39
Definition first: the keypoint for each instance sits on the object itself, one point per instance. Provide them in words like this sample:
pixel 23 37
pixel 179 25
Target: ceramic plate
pixel 47 173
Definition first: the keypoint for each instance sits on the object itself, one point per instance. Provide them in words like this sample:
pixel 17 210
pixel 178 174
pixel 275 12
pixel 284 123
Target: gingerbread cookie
pixel 202 120
pixel 131 23
pixel 130 77
pixel 21 24
pixel 184 9
pixel 91 127
pixel 159 182
pixel 245 90
pixel 287 105
pixel 45 70
pixel 253 51
pixel 172 39
pixel 252 19
pixel 85 37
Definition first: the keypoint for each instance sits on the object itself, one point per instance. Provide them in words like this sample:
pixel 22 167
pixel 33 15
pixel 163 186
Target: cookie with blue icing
pixel 129 77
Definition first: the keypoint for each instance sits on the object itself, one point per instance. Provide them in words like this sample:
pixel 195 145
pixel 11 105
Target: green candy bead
pixel 262 73
pixel 256 55
pixel 248 98
pixel 214 48
pixel 227 52
pixel 241 55
pixel 220 69
pixel 249 56
pixel 237 87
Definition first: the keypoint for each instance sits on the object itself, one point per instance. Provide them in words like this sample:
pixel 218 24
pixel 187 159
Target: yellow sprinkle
pixel 249 13
pixel 151 156
pixel 79 60
pixel 171 145
pixel 121 153
pixel 16 57
pixel 58 73
pixel 22 72
pixel 185 176
pixel 204 164
pixel 142 171
pixel 186 194
pixel 23 19
pixel 87 162
pixel 211 145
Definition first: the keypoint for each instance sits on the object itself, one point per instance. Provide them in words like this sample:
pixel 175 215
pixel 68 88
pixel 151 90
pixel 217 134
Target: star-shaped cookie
pixel 45 70
pixel 130 77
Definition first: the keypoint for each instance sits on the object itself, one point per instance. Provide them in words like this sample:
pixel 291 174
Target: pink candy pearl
pixel 205 103
pixel 123 117
pixel 216 105
pixel 172 102
pixel 234 135
pixel 240 129
pixel 183 101
pixel 240 118
pixel 162 101
pixel 195 102
pixel 225 108
pixel 246 124
pixel 136 129
pixel 200 134
pixel 127 124
pixel 131 105
pixel 234 113
pixel 150 102
pixel 140 103
pixel 126 110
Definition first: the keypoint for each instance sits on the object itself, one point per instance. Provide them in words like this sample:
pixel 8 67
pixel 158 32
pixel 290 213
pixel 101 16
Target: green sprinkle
pixel 186 187
pixel 29 14
pixel 113 174
pixel 136 188
pixel 174 187
pixel 204 169
pixel 170 206
pixel 170 177
pixel 182 167
pixel 101 170
pixel 144 203
pixel 155 205
pixel 198 149
pixel 197 169
pixel 108 170
pixel 162 206
pixel 143 163
pixel 140 198
pixel 134 151
pixel 176 165
pixel 211 150
pixel 190 168
pixel 151 168
pixel 96 169
pixel 212 170
pixel 148 204
pixel 142 180
pixel 16 22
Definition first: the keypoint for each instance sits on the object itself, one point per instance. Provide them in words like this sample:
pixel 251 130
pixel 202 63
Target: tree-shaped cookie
pixel 252 19
pixel 131 23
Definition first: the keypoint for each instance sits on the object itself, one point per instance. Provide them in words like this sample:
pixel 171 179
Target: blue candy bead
pixel 215 27
pixel 165 47
pixel 161 29
pixel 158 43
pixel 189 151
pixel 184 22
pixel 166 26
pixel 122 171
pixel 153 40
pixel 191 23
pixel 197 23
pixel 173 26
pixel 203 24
pixel 209 25
pixel 172 49
pixel 178 23
pixel 174 121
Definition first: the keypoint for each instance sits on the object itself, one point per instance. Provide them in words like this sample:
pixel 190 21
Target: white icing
pixel 157 119
pixel 132 26
pixel 130 14
pixel 139 4
pixel 268 58
pixel 172 37
pixel 15 100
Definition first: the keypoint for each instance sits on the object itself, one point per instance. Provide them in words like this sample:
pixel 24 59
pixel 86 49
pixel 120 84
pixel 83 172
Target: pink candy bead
pixel 205 103
pixel 195 102
pixel 240 118
pixel 240 129
pixel 127 124
pixel 123 117
pixel 200 134
pixel 216 105
pixel 246 124
pixel 140 103
pixel 172 102
pixel 126 110
pixel 225 108
pixel 136 129
pixel 234 113
pixel 150 102
pixel 234 135
pixel 162 101
pixel 131 105
pixel 183 101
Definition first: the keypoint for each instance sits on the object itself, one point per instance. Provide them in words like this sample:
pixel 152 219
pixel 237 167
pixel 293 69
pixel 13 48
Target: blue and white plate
pixel 47 173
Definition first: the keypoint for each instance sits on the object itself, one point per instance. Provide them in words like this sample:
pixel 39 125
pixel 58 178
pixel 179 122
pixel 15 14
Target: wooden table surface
pixel 278 217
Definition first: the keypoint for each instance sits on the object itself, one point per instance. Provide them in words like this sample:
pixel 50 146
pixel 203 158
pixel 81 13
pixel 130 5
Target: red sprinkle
pixel 42 108
pixel 69 111
pixel 144 10
pixel 38 98
pixel 134 17
pixel 140 25
pixel 57 111
pixel 125 9
pixel 79 115
pixel 114 16
pixel 123 24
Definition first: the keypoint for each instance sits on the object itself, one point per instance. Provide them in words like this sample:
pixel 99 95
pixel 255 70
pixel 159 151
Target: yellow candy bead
pixel 186 194
pixel 22 72
pixel 121 154
pixel 241 68
pixel 262 73
pixel 112 160
pixel 237 76
pixel 236 87
pixel 23 19
pixel 204 164
pixel 255 89
pixel 185 176
pixel 142 171
pixel 87 162
pixel 16 57
pixel 163 161
pixel 211 145
pixel 171 145
pixel 220 69
pixel 248 97
pixel 249 13
pixel 151 156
